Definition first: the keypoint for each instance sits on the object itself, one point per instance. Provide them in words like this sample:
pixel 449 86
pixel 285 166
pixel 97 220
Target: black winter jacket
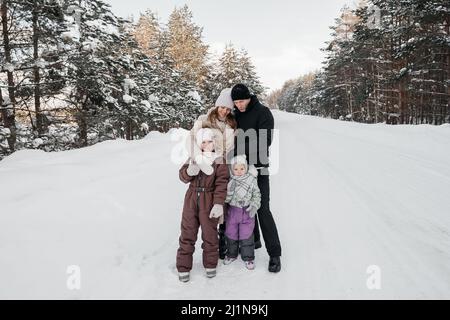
pixel 254 143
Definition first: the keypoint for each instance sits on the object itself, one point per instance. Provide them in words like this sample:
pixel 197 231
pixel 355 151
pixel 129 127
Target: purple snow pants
pixel 239 232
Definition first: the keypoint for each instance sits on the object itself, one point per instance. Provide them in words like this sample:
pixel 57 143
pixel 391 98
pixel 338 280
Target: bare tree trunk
pixel 446 115
pixel 447 107
pixel 376 91
pixel 129 130
pixel 9 117
pixel 82 120
pixel 401 103
pixel 421 108
pixel 36 74
pixel 82 123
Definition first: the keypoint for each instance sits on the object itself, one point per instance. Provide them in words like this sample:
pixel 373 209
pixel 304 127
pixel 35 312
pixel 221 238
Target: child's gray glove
pixel 252 211
pixel 193 169
pixel 216 211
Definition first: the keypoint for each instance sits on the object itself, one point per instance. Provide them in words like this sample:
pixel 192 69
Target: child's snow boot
pixel 183 276
pixel 211 273
pixel 250 265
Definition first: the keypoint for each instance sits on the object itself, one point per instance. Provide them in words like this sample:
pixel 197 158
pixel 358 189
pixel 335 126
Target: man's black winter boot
pixel 274 264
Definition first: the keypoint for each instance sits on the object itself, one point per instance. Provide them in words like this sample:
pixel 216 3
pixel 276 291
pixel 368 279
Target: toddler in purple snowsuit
pixel 244 199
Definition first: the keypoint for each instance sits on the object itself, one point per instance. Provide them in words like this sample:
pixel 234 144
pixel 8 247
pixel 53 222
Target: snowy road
pixel 346 196
pixel 363 195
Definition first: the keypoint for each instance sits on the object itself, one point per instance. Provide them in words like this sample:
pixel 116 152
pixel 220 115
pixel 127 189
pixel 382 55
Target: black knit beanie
pixel 240 92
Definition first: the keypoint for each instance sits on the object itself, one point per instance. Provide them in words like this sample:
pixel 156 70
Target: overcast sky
pixel 283 37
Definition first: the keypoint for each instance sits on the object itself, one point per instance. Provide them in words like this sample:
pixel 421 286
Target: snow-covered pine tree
pixel 298 95
pixel 8 62
pixel 371 60
pixel 228 70
pixel 430 72
pixel 186 47
pixel 91 80
pixel 31 31
pixel 46 21
pixel 306 102
pixel 210 89
pixel 421 55
pixel 249 74
pixel 179 100
pixel 339 67
pixel 234 67
pixel 394 70
pixel 147 33
pixel 150 90
pixel 393 92
pixel 288 95
pixel 272 99
pixel 129 107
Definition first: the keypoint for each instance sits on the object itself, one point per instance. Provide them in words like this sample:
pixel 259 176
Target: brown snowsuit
pixel 204 191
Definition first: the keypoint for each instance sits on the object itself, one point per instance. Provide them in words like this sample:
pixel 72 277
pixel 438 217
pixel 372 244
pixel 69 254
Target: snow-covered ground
pixel 346 196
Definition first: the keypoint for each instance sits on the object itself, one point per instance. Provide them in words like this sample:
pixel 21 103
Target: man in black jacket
pixel 255 125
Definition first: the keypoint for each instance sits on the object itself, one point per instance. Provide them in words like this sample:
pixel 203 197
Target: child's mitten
pixel 205 164
pixel 252 170
pixel 252 211
pixel 216 211
pixel 193 169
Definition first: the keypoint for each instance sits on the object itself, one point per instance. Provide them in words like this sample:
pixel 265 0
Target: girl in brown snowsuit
pixel 208 177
